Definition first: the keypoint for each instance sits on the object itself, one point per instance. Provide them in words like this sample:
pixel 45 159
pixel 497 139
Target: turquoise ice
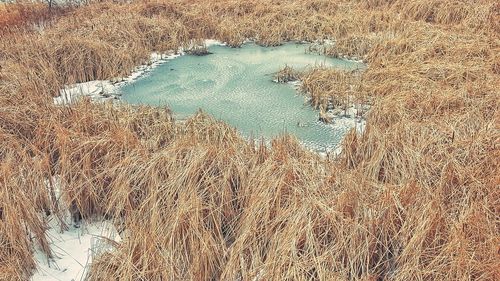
pixel 235 85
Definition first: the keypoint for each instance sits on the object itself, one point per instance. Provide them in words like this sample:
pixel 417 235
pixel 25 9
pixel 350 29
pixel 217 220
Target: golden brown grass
pixel 328 86
pixel 416 196
pixel 287 74
pixel 21 13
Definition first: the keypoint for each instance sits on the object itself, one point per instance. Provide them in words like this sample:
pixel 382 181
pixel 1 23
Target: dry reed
pixel 416 196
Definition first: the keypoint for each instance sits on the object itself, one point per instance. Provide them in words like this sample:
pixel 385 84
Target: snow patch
pixel 73 250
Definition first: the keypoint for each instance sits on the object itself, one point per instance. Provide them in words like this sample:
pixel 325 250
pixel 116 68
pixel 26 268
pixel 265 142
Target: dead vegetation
pixel 416 196
pixel 287 74
pixel 329 87
pixel 22 13
pixel 198 49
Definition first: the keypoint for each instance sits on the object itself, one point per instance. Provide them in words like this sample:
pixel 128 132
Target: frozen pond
pixel 235 85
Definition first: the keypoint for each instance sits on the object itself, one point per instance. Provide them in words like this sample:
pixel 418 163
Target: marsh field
pixel 119 188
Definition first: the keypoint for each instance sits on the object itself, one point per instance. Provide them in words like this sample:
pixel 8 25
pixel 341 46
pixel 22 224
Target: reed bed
pixel 287 74
pixel 22 13
pixel 328 87
pixel 415 196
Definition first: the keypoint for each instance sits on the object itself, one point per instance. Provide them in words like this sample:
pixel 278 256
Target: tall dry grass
pixel 23 13
pixel 415 196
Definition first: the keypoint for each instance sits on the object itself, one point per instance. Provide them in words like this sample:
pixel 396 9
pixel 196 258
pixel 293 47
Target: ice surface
pixel 235 85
